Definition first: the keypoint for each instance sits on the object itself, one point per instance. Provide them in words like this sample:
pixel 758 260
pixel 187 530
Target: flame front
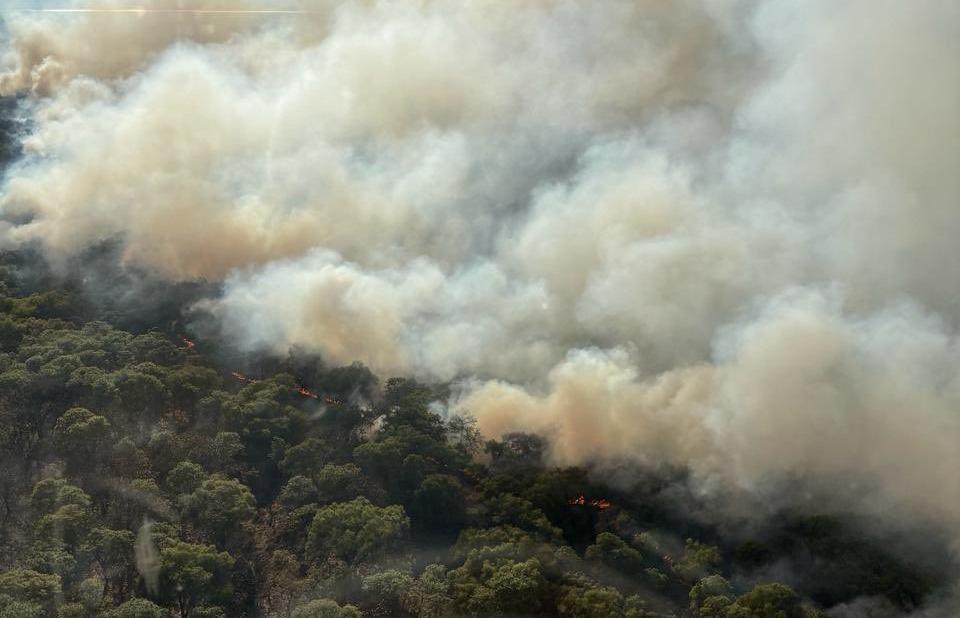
pixel 300 390
pixel 239 377
pixel 600 503
pixel 307 392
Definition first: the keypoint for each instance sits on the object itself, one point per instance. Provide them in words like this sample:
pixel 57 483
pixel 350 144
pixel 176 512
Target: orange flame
pixel 239 377
pixel 300 390
pixel 306 392
pixel 599 503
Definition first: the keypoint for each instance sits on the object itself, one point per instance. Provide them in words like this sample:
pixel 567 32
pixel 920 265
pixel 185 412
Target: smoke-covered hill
pixel 712 241
pixel 144 474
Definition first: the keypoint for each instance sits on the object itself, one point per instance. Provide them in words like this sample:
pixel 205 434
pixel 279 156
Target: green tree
pixel 428 596
pixel 192 575
pixel 357 531
pixel 80 436
pixel 113 553
pixel 188 383
pixel 439 504
pixel 259 416
pixel 164 450
pixel 51 494
pixel 463 433
pixel 501 587
pixel 128 461
pixel 219 507
pixel 137 608
pixel 69 610
pixel 612 551
pixel 709 596
pixel 154 347
pixel 299 491
pixel 591 602
pixel 387 590
pixel 28 586
pixel 223 451
pixel 510 510
pixel 767 601
pixel 90 594
pixel 142 396
pixel 11 333
pixel 21 609
pixel 339 483
pixel 519 588
pixel 408 404
pixel 325 608
pixel 68 525
pixel 306 458
pixel 698 560
pixel 51 555
pixel 184 478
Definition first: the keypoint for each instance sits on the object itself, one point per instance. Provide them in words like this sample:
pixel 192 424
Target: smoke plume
pixel 720 235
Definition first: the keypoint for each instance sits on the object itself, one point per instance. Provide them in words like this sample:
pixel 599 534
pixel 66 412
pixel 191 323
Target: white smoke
pixel 718 235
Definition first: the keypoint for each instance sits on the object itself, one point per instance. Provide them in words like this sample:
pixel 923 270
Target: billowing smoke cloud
pixel 717 235
pixel 796 389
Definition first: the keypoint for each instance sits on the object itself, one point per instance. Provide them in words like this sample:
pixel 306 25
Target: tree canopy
pixel 143 478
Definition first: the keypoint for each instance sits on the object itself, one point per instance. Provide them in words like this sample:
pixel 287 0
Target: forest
pixel 145 476
pixel 586 309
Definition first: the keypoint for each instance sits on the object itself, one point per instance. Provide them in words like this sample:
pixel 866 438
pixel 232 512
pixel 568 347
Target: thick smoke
pixel 717 235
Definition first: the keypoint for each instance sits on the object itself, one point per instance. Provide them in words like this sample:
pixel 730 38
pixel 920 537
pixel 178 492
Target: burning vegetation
pixel 232 482
pixel 300 390
pixel 441 309
pixel 598 503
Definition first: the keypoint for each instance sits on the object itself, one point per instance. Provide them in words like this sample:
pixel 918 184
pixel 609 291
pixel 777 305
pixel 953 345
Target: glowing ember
pixel 239 377
pixel 307 393
pixel 599 503
pixel 187 344
pixel 300 390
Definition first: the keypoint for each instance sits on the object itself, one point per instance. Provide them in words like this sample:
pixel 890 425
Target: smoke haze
pixel 718 235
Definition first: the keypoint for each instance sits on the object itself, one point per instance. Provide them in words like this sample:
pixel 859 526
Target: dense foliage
pixel 140 479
